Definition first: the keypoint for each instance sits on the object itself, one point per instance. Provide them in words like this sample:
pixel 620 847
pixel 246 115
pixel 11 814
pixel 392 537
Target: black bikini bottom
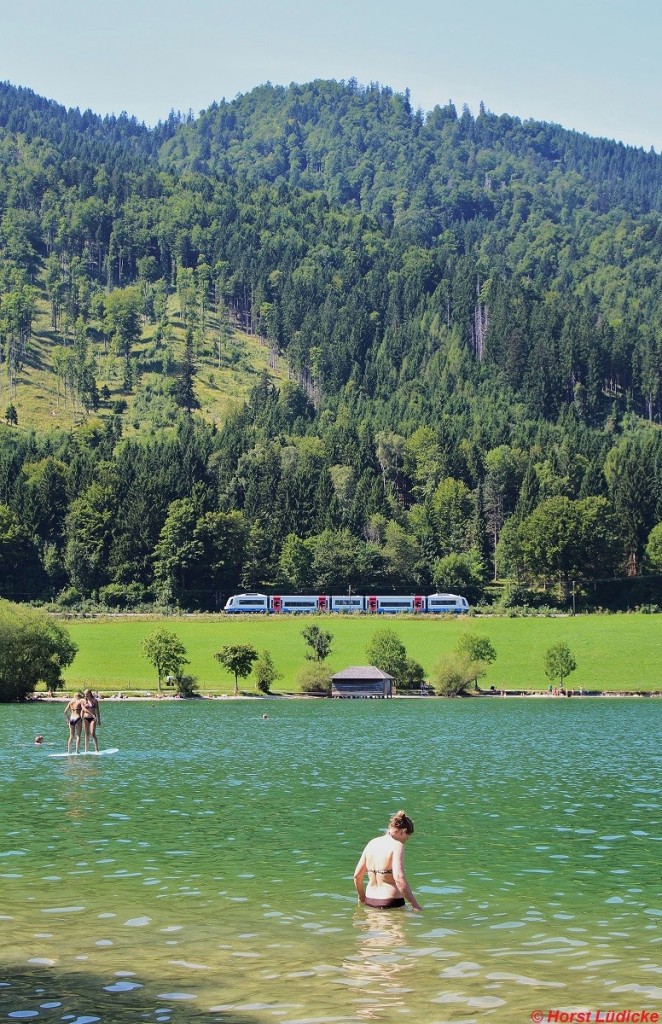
pixel 397 901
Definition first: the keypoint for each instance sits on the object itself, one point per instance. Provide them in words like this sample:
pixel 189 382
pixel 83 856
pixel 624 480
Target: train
pixel 376 604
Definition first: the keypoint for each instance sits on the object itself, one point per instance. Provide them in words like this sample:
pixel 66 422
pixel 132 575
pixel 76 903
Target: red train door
pixel 322 603
pixel 276 604
pixel 419 604
pixel 372 604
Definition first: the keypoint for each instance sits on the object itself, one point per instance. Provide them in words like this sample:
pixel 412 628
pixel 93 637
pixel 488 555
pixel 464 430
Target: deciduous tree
pixel 477 649
pixel 654 549
pixel 33 649
pixel 387 652
pixel 238 659
pixel 122 319
pixel 166 652
pixel 319 642
pixel 559 662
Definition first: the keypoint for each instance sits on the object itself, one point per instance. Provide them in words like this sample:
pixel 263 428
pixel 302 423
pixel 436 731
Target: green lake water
pixel 203 873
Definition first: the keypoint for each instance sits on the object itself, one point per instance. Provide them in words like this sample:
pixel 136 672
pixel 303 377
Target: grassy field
pixel 615 652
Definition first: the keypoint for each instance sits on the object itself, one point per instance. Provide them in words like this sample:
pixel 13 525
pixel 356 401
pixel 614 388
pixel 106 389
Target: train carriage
pixel 347 603
pixel 300 604
pixel 240 604
pixel 391 604
pixel 447 604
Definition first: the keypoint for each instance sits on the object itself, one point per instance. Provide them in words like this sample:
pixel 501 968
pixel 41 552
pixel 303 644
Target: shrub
pixel 452 675
pixel 514 595
pixel 314 677
pixel 265 672
pixel 186 686
pixel 69 598
pixel 413 676
pixel 122 595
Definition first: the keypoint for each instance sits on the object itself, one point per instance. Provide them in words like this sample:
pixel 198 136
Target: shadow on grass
pixel 49 995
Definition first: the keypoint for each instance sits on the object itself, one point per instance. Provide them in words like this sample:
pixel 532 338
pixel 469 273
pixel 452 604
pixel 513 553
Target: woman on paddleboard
pixel 91 719
pixel 383 860
pixel 74 716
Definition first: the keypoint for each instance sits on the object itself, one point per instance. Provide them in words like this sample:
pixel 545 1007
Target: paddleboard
pixel 89 753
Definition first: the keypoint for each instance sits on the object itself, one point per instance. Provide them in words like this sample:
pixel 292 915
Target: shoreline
pixel 120 695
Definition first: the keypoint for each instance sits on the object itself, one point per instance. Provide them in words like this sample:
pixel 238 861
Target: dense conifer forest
pixel 461 324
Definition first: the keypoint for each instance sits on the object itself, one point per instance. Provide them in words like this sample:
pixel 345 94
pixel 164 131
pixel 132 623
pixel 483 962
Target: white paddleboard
pixel 88 753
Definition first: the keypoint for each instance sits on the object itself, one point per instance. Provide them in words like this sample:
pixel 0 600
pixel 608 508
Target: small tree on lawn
pixel 478 649
pixel 387 652
pixel 559 663
pixel 166 652
pixel 238 659
pixel 319 642
pixel 33 649
pixel 266 672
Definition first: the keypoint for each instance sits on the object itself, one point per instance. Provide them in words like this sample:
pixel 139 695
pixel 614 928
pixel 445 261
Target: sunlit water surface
pixel 203 873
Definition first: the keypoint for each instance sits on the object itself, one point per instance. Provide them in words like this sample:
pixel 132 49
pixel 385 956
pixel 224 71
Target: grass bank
pixel 613 652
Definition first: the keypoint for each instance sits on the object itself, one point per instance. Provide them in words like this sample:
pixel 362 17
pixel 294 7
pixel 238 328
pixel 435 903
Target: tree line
pixel 192 517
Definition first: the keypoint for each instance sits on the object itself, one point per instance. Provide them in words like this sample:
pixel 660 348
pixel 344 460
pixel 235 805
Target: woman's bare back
pixel 379 864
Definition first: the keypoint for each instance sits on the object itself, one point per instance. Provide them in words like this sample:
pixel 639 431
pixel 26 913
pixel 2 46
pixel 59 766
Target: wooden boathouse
pixel 362 681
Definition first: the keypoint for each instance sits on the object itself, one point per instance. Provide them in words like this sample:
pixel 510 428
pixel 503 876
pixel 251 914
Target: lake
pixel 203 873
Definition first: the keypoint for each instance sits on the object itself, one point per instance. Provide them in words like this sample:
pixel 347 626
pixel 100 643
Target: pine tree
pixel 183 391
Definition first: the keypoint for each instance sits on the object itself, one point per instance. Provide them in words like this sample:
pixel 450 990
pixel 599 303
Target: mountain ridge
pixel 469 310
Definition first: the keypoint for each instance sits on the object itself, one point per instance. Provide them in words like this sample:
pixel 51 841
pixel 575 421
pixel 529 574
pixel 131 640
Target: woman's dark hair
pixel 403 821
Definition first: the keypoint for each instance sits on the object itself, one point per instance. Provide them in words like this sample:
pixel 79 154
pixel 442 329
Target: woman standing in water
pixel 74 716
pixel 384 862
pixel 91 719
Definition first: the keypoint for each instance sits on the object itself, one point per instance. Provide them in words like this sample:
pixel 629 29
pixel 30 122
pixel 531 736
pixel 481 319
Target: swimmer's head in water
pixel 39 739
pixel 401 822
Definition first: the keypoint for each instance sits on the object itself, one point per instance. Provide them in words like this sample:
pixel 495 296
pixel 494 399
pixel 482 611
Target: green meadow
pixel 613 652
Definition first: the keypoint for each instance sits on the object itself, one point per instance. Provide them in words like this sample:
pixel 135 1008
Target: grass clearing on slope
pixel 613 652
pixel 221 385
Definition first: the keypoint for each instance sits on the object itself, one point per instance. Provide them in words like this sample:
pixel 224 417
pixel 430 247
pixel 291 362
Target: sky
pixel 589 65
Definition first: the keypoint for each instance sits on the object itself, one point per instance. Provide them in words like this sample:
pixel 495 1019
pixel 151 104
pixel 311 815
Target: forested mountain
pixel 469 310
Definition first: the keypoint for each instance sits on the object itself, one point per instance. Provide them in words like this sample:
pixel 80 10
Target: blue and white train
pixel 377 604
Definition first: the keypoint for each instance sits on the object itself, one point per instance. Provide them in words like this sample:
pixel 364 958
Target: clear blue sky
pixel 592 65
